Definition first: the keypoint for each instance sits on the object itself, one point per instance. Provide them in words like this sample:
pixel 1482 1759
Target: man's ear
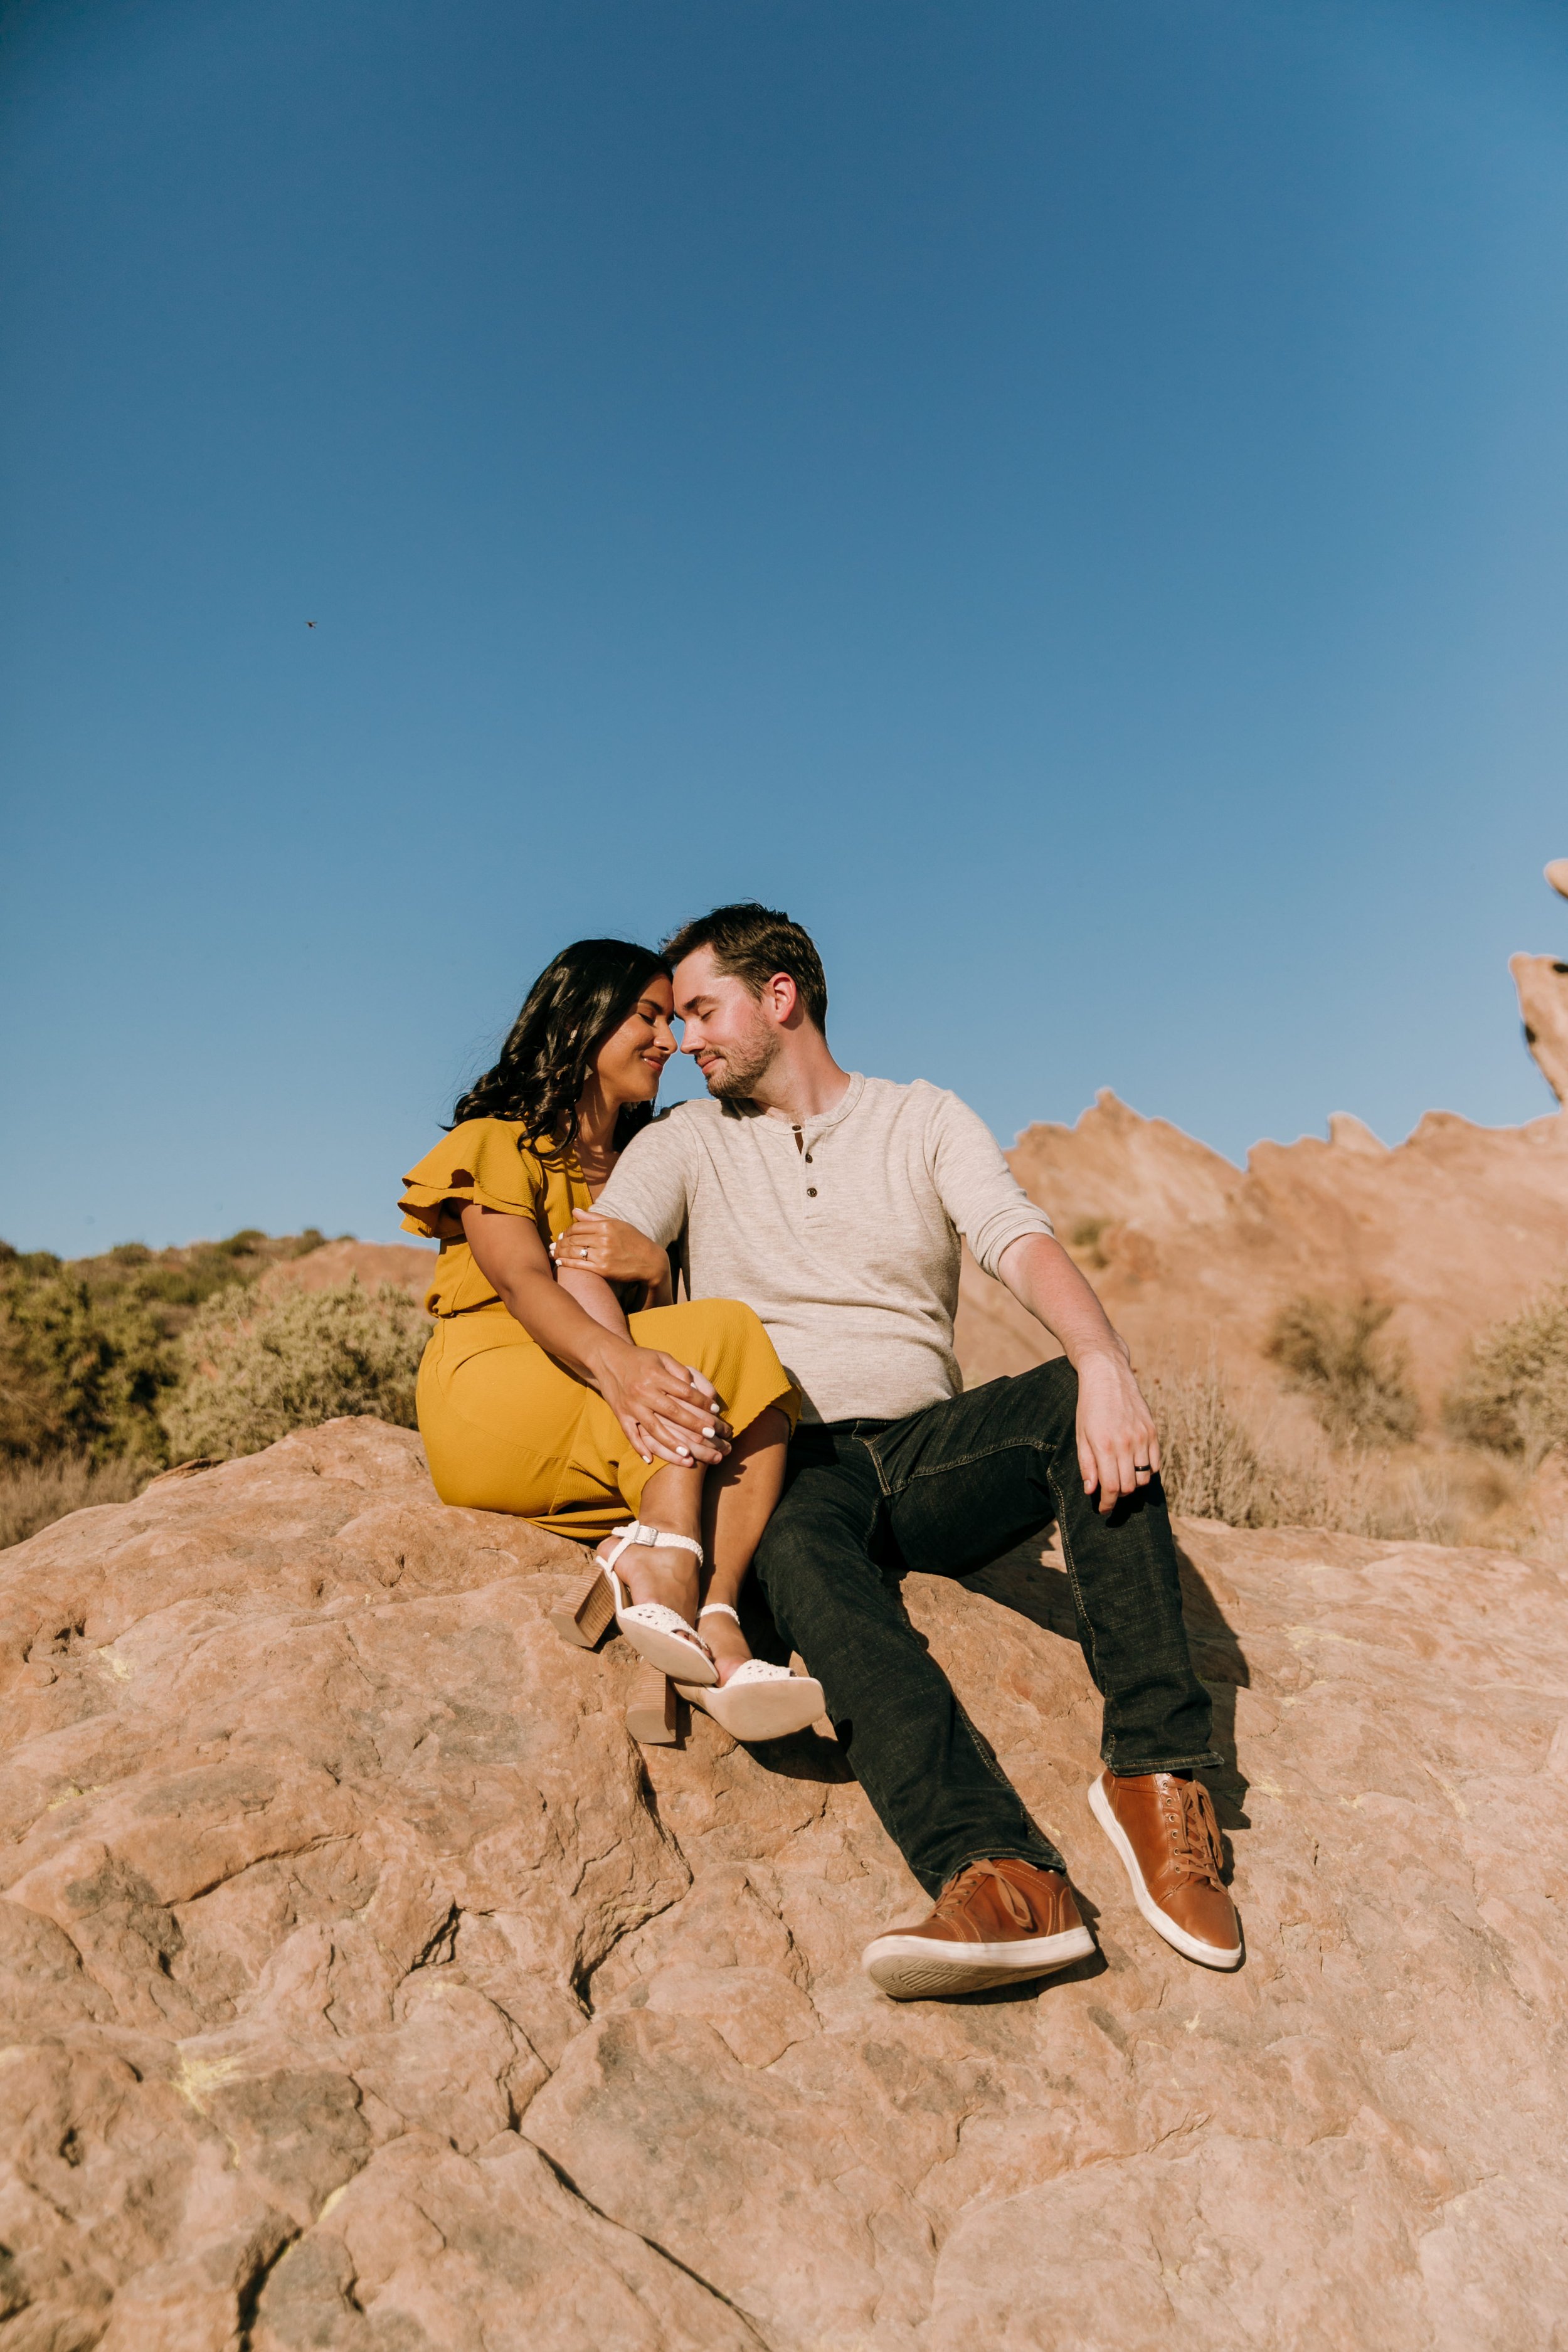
pixel 782 997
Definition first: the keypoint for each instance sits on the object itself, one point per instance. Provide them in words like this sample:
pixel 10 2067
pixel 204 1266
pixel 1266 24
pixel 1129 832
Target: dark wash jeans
pixel 948 1490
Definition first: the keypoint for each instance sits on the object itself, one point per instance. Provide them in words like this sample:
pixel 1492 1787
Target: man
pixel 832 1205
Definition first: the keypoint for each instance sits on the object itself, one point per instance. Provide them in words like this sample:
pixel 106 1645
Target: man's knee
pixel 1039 1404
pixel 1054 1383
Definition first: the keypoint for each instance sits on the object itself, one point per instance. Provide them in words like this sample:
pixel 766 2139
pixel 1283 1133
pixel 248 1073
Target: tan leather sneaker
pixel 995 1923
pixel 1164 1829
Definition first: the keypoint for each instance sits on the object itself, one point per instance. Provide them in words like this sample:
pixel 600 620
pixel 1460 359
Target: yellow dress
pixel 505 1427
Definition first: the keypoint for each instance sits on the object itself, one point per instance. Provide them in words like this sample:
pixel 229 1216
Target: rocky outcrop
pixel 364 1988
pixel 1455 1227
pixel 1542 985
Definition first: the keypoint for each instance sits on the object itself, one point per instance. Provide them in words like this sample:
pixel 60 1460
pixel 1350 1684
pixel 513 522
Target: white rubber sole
pixel 760 1710
pixel 1207 1956
pixel 668 1652
pixel 668 1649
pixel 913 1968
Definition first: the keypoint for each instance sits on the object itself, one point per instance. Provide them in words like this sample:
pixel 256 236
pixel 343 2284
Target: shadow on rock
pixel 803 1756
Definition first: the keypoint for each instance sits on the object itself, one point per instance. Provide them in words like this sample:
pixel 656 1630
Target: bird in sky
pixel 310 624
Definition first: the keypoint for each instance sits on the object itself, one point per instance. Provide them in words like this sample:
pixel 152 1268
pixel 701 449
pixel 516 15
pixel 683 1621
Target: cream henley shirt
pixel 842 1233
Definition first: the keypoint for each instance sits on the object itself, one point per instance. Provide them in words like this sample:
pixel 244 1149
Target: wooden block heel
pixel 585 1625
pixel 650 1710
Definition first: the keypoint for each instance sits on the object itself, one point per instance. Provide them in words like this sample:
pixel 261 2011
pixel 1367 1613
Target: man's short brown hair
pixel 752 944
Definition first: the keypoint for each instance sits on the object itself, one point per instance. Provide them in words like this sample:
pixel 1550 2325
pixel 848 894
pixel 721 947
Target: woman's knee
pixel 695 1323
pixel 730 1341
pixel 733 1320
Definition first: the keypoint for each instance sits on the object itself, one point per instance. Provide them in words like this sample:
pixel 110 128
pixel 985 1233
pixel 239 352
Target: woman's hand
pixel 666 1408
pixel 607 1246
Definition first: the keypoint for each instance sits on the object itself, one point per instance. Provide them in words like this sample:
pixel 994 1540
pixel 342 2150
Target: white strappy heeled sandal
pixel 659 1634
pixel 759 1701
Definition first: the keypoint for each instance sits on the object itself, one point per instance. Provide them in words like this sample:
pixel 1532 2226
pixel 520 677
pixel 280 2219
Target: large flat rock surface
pixel 364 1988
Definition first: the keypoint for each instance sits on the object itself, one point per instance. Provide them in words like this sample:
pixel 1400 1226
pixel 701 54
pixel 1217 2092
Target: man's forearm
pixel 1042 1278
pixel 595 1297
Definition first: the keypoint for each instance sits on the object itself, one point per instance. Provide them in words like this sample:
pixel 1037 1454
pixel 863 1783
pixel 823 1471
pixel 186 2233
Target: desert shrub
pixel 255 1371
pixel 1511 1393
pixel 1218 1465
pixel 1213 1466
pixel 1209 1465
pixel 1332 1356
pixel 89 1346
pixel 1085 1238
pixel 33 1495
pixel 77 1375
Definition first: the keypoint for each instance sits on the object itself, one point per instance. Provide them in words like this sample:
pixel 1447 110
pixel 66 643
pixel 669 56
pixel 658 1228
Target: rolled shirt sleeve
pixel 649 1184
pixel 978 1189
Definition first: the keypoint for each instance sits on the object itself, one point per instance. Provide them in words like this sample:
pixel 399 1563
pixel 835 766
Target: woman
pixel 540 1394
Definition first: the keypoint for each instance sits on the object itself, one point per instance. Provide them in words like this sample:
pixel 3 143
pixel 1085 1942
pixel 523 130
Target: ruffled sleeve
pixel 485 1161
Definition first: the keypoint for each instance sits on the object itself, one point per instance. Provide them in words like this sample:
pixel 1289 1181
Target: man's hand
pixel 607 1246
pixel 1118 1448
pixel 1118 1451
pixel 667 1408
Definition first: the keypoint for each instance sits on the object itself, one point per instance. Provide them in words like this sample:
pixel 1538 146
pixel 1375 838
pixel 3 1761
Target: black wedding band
pixel 1147 1468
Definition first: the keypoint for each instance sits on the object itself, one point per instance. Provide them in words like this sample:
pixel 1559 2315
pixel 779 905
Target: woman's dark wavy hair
pixel 587 990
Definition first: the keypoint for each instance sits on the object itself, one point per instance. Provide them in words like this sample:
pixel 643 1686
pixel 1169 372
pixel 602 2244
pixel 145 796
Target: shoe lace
pixel 1197 1853
pixel 957 1892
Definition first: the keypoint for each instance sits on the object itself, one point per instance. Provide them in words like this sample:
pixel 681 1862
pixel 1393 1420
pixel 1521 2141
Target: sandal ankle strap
pixel 635 1532
pixel 716 1608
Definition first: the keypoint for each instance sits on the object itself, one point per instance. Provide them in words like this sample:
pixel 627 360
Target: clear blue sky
pixel 1068 499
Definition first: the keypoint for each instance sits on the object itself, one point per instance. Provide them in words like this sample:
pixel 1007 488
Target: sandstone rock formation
pixel 363 1987
pixel 1542 985
pixel 1458 1226
pixel 1455 1227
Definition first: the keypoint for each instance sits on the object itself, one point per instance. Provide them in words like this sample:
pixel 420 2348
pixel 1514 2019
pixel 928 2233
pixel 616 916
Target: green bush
pixel 253 1372
pixel 88 1347
pixel 1333 1357
pixel 77 1373
pixel 1512 1391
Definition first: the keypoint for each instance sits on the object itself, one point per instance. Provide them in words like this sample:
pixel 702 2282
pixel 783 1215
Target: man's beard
pixel 735 1079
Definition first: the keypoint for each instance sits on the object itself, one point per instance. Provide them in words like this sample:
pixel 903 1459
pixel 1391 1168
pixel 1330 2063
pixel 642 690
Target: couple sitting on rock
pixel 801 1411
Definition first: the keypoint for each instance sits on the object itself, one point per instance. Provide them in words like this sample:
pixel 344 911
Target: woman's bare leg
pixel 738 1501
pixel 672 1500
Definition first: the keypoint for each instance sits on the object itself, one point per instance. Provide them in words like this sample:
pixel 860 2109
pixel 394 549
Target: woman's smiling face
pixel 628 1063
